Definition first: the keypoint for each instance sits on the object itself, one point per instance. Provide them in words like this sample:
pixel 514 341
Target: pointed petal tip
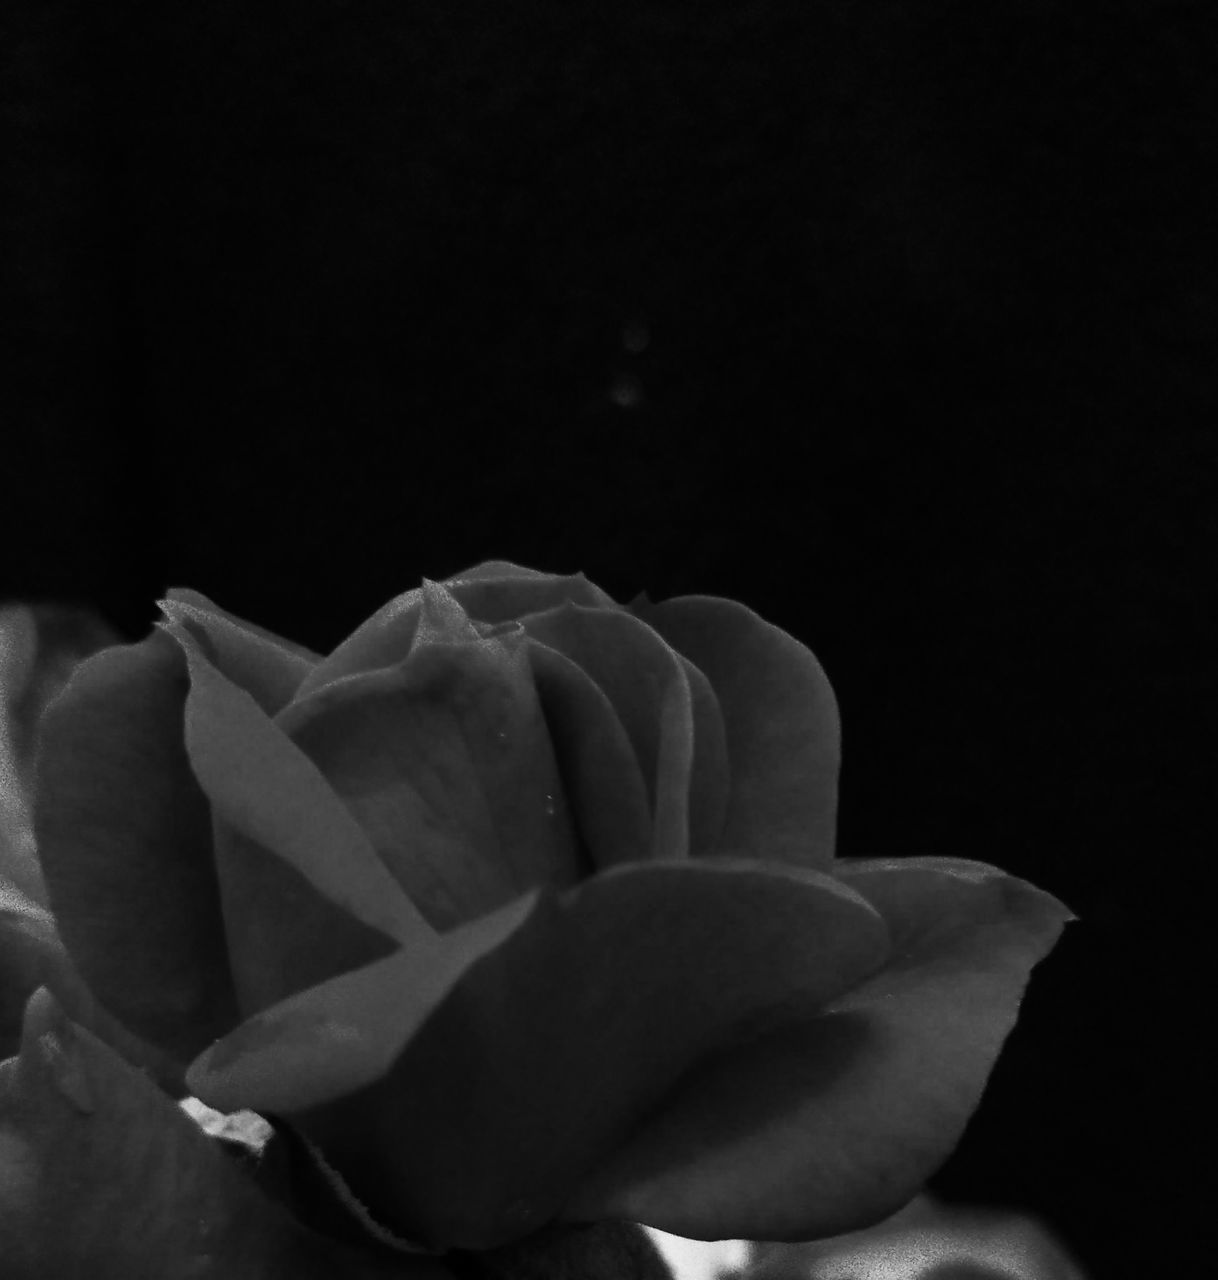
pixel 43 1013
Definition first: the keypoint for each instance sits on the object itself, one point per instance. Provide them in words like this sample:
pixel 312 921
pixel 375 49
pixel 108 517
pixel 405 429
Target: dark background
pixel 303 301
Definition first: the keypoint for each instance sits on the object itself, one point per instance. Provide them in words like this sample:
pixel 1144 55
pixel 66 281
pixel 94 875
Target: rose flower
pixel 521 907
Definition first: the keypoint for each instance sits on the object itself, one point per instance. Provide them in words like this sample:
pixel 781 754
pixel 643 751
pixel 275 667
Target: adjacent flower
pixel 522 907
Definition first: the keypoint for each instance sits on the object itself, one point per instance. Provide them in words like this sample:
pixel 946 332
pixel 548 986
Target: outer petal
pixel 447 765
pixel 263 664
pixel 303 891
pixel 647 685
pixel 832 1123
pixel 472 1128
pixel 124 838
pixel 783 731
pixel 101 1175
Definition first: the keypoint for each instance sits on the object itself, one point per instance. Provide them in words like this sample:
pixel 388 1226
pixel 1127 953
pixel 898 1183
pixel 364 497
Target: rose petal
pixel 284 932
pixel 831 1124
pixel 558 1042
pixel 493 596
pixel 381 641
pixel 646 683
pixel 302 891
pixel 32 956
pixel 343 1034
pixel 446 763
pixel 124 838
pixel 102 1175
pixel 600 771
pixel 264 786
pixel 442 620
pixel 263 664
pixel 783 731
pixel 497 569
pixel 710 775
pixel 490 592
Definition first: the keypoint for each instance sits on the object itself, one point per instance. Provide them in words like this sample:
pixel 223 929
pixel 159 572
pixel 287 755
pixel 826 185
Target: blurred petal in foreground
pixel 40 644
pixel 925 1241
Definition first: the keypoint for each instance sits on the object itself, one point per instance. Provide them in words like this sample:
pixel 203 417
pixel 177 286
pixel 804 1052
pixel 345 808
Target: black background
pixel 305 301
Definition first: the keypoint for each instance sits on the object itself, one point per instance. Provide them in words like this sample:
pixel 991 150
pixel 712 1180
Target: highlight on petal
pixel 646 683
pixel 783 729
pixel 491 592
pixel 382 640
pixel 447 764
pixel 497 591
pixel 262 785
pixel 927 1240
pixel 124 838
pixel 101 1174
pixel 442 620
pixel 831 1123
pixel 265 665
pixel 562 1039
pixel 495 570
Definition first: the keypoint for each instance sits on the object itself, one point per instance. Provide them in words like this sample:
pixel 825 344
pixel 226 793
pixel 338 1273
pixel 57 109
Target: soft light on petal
pixel 497 591
pixel 264 665
pixel 926 1240
pixel 380 641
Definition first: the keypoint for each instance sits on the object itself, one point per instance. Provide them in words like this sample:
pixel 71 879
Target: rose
pixel 522 906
